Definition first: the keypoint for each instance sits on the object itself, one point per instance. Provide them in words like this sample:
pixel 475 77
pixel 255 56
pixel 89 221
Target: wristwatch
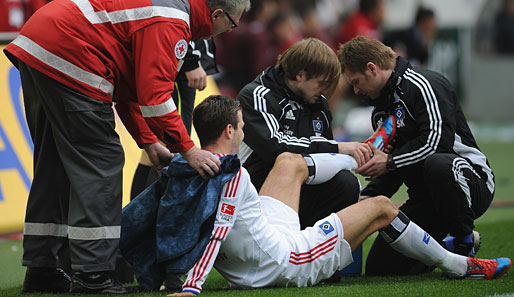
pixel 390 163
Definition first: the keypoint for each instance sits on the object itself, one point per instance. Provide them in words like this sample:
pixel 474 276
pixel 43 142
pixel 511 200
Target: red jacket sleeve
pixel 130 115
pixel 157 49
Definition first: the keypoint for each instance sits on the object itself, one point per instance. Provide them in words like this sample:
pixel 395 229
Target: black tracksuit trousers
pixel 445 196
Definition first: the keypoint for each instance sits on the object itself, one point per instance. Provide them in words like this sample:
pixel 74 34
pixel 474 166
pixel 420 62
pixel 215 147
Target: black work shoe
pixel 99 282
pixel 45 280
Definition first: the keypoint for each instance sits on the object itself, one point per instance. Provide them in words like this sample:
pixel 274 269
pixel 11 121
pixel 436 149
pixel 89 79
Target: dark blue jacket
pixel 168 225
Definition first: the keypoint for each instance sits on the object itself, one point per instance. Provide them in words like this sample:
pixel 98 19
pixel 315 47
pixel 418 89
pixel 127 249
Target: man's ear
pixel 372 68
pixel 217 13
pixel 301 75
pixel 228 131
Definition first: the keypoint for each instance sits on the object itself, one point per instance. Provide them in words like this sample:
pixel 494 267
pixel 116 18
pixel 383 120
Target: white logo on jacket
pixel 290 115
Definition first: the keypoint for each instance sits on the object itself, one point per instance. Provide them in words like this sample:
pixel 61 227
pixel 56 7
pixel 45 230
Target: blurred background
pixel 469 41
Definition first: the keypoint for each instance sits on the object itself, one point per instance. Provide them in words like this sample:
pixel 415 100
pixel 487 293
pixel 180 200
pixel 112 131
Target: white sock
pixel 415 243
pixel 327 165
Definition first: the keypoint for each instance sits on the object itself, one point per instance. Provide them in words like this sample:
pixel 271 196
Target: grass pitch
pixel 496 227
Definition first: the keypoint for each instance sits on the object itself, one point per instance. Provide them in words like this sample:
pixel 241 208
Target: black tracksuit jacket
pixel 429 120
pixel 277 120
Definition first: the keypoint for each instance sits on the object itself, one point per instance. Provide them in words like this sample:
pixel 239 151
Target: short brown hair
pixel 213 115
pixel 312 56
pixel 355 54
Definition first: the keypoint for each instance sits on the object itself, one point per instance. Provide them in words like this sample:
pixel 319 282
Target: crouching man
pixel 257 241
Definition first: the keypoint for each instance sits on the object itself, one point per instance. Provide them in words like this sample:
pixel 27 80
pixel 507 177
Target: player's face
pixel 365 84
pixel 238 133
pixel 310 89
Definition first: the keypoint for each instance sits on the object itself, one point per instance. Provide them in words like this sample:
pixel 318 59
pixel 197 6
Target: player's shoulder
pixel 237 184
pixel 244 172
pixel 243 176
pixel 241 173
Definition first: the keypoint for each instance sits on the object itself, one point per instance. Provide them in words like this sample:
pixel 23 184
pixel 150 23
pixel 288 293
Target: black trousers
pixel 76 193
pixel 184 98
pixel 319 201
pixel 445 197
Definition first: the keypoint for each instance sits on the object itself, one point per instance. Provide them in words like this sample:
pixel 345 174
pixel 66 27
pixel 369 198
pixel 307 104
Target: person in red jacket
pixel 365 21
pixel 76 58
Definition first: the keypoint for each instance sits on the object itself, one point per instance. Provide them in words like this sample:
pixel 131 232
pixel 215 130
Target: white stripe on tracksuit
pixel 458 165
pixel 274 126
pixel 435 119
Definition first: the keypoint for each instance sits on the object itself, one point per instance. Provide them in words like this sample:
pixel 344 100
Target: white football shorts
pixel 313 254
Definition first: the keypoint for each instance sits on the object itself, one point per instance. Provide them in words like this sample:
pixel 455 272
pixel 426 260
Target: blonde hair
pixel 355 54
pixel 312 56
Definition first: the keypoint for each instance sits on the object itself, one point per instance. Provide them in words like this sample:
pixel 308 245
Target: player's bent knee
pixel 291 161
pixel 387 210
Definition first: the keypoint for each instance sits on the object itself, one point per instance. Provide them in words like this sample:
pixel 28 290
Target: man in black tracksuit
pixel 449 181
pixel 284 110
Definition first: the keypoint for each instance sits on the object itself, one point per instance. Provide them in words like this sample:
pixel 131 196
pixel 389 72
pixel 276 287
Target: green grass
pixel 496 227
pixel 502 163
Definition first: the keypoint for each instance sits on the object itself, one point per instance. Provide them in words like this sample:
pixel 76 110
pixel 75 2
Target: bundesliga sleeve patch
pixel 180 49
pixel 228 209
pixel 227 212
pixel 326 227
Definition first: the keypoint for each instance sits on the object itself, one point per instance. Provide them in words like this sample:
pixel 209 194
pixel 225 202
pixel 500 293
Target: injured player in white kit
pixel 257 241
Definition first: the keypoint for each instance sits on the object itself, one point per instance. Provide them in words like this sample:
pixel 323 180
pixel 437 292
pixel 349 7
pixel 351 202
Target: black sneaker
pixel 45 280
pixel 468 249
pixel 173 282
pixel 100 282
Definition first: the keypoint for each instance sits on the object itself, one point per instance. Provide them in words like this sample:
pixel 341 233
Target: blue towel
pixel 168 225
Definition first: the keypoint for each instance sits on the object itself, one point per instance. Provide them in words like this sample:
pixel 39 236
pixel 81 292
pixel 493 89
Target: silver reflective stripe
pixel 158 110
pixel 94 233
pixel 133 14
pixel 45 229
pixel 180 63
pixel 63 66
